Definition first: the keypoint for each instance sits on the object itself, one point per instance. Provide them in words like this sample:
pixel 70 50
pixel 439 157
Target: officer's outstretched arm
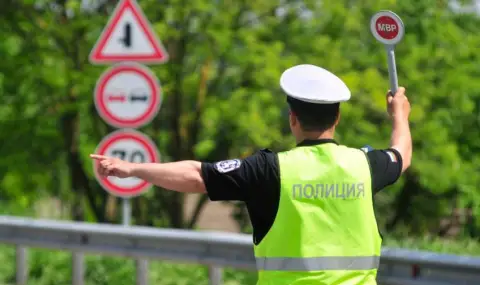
pixel 181 176
pixel 399 110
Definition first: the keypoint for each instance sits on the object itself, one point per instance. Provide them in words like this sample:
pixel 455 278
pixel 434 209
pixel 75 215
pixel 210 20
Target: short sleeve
pixel 239 179
pixel 386 167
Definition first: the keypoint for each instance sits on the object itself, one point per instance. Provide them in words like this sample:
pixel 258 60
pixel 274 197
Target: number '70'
pixel 135 156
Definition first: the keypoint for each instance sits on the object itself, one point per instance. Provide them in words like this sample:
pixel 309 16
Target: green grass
pixel 54 267
pixel 458 247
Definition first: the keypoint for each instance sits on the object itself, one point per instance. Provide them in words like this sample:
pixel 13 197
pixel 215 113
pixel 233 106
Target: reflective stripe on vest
pixel 317 263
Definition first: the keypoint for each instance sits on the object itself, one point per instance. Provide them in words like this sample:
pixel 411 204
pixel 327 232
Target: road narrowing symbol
pixel 128 36
pixel 127 96
pixel 128 145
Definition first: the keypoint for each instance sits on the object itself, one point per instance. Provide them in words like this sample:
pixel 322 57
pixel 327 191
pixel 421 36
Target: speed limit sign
pixel 128 145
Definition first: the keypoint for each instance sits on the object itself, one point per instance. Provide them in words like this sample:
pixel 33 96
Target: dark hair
pixel 314 117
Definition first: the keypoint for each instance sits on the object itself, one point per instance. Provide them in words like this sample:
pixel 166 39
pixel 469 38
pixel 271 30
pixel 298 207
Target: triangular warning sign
pixel 128 36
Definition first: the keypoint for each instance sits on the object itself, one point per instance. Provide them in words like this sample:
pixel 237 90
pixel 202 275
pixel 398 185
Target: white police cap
pixel 313 84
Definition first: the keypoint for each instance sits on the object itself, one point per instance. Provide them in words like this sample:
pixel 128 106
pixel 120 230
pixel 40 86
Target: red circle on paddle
pixel 387 27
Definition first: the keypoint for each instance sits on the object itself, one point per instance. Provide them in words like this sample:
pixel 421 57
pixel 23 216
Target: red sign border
pixel 115 121
pixel 396 18
pixel 109 140
pixel 96 55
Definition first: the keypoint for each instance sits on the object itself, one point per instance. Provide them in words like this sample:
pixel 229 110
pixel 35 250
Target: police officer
pixel 311 207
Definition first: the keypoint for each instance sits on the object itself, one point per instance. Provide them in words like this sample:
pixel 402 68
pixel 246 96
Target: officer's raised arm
pixel 399 111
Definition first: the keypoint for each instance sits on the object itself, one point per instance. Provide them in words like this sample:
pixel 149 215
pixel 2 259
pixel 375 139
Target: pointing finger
pixel 98 157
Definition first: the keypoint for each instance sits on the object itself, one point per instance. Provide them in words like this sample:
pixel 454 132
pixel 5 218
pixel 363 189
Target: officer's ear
pixel 338 119
pixel 293 118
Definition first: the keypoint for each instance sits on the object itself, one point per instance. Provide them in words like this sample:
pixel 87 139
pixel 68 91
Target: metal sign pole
pixel 141 264
pixel 126 211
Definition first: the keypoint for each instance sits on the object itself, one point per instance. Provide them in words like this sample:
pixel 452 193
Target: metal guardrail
pixel 214 249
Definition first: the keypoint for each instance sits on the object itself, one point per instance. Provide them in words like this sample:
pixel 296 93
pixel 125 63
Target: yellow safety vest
pixel 325 231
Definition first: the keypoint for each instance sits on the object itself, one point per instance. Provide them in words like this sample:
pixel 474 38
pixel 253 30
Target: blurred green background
pixel 221 99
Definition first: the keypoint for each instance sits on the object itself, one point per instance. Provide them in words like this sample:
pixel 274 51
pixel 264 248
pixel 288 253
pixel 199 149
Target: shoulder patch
pixel 367 148
pixel 227 165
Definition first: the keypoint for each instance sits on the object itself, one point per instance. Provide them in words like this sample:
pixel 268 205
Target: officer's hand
pixel 398 106
pixel 110 166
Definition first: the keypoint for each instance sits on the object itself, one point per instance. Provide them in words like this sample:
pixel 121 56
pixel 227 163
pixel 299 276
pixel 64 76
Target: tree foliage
pixel 222 97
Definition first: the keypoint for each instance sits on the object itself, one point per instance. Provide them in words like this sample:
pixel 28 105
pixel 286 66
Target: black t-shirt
pixel 255 180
